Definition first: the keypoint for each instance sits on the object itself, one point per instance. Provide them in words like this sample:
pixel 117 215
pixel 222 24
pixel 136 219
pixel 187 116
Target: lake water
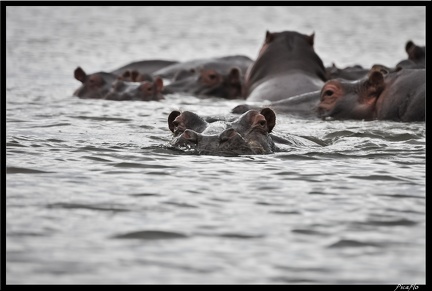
pixel 93 194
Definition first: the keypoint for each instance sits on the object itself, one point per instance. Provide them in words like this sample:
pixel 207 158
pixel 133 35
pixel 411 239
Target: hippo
pixel 135 76
pixel 286 66
pixel 248 134
pixel 397 95
pixel 348 73
pixel 416 53
pixel 207 82
pixel 178 122
pixel 416 56
pixel 222 64
pixel 215 77
pixel 94 86
pixel 144 90
pixel 144 67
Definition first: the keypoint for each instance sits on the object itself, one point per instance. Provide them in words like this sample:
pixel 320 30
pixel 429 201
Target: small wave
pixel 151 234
pixel 103 118
pixel 240 235
pixel 83 206
pixel 14 144
pixel 17 170
pixel 351 243
pixel 51 125
pixel 397 222
pixel 180 204
pixel 377 177
pixel 136 165
pixel 307 231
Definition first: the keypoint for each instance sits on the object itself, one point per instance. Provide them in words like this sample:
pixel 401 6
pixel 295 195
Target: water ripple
pixel 344 243
pixel 151 234
pixel 84 206
pixel 18 170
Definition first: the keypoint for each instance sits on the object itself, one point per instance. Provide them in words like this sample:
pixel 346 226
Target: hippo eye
pixel 212 77
pixel 328 93
pixel 149 89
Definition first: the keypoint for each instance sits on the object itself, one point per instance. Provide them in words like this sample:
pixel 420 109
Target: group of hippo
pixel 287 72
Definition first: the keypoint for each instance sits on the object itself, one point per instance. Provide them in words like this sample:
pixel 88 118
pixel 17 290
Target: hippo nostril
pixel 190 136
pixel 227 135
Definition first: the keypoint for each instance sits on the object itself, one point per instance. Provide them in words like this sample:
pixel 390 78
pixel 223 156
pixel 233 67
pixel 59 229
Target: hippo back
pixel 287 65
pixel 404 98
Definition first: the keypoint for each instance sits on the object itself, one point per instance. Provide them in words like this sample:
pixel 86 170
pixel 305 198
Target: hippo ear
pixel 134 76
pixel 376 83
pixel 234 75
pixel 310 38
pixel 270 117
pixel 173 115
pixel 380 68
pixel 409 45
pixel 80 75
pixel 269 37
pixel 158 83
pixel 126 74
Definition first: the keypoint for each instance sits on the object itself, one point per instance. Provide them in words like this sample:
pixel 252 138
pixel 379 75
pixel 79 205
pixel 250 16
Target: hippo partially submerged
pixel 249 134
pixel 287 65
pixel 398 95
pixel 246 135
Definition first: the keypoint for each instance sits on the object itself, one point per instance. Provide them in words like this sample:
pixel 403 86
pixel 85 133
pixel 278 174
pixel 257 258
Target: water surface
pixel 93 194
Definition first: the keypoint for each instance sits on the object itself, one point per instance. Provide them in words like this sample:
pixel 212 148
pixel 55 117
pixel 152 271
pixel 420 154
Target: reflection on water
pixel 95 195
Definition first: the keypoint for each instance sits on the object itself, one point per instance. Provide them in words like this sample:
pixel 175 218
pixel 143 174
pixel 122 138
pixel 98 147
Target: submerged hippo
pixel 216 77
pixel 348 73
pixel 97 85
pixel 219 64
pixel 135 76
pixel 209 83
pixel 144 67
pixel 143 91
pixel 286 66
pixel 251 133
pixel 94 86
pixel 397 95
pixel 248 134
pixel 416 56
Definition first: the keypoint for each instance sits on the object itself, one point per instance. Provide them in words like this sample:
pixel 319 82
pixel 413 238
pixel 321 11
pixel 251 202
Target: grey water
pixel 94 195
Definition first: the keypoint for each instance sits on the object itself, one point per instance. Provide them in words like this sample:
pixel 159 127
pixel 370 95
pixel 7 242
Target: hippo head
pixel 290 40
pixel 341 99
pixel 144 91
pixel 208 82
pixel 229 142
pixel 348 73
pixel 416 53
pixel 135 76
pixel 148 90
pixel 213 83
pixel 249 134
pixel 94 85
